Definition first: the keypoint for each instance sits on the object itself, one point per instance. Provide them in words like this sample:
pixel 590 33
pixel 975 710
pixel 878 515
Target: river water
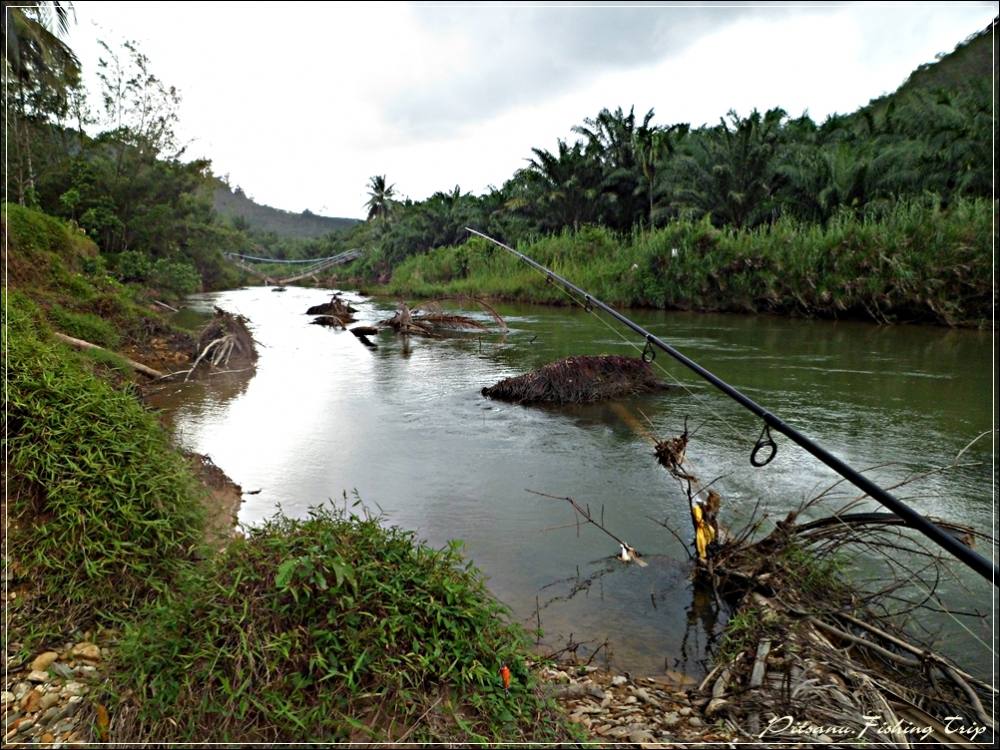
pixel 406 428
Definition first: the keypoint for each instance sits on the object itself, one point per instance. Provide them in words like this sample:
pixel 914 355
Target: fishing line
pixel 985 567
pixel 703 402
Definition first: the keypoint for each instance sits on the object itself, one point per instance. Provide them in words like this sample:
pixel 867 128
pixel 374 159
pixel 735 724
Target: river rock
pixel 694 721
pixel 29 703
pixel 686 711
pixel 64 725
pixel 44 660
pixel 48 700
pixel 37 675
pixel 73 688
pixel 641 736
pixel 63 670
pixel 670 720
pixel 88 651
pixel 619 680
pixel 8 698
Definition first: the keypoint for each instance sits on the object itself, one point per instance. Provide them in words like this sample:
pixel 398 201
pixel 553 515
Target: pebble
pixel 670 720
pixel 73 688
pixel 619 680
pixel 37 675
pixel 11 718
pixel 63 670
pixel 686 711
pixel 44 660
pixel 641 736
pixel 88 651
pixel 64 725
pixel 8 697
pixel 694 721
pixel 29 703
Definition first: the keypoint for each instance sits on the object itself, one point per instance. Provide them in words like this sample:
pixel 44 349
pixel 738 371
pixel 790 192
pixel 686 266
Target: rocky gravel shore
pixel 649 712
pixel 49 701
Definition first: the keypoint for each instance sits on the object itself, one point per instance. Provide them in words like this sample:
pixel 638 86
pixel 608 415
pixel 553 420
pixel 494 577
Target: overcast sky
pixel 301 103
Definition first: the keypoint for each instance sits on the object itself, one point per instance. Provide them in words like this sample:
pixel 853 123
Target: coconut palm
pixel 32 47
pixel 380 196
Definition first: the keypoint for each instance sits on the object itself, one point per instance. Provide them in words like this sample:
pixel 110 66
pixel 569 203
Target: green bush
pixel 103 512
pixel 330 628
pixel 132 265
pixel 175 276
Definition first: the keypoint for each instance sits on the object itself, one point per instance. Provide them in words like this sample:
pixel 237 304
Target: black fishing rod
pixel 986 568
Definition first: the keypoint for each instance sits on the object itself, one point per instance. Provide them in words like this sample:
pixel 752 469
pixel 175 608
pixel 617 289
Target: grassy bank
pixel 914 263
pixel 333 627
pixel 102 512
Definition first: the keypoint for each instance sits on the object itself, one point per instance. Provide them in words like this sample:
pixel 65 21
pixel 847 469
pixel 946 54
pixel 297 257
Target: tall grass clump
pixel 908 261
pixel 330 628
pixel 102 512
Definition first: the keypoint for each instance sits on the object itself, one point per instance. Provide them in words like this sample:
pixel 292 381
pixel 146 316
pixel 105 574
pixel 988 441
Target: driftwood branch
pixel 149 372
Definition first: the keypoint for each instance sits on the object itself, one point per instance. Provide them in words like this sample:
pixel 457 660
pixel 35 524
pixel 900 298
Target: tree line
pixel 626 172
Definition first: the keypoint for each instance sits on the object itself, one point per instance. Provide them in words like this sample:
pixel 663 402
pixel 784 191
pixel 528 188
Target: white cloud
pixel 300 104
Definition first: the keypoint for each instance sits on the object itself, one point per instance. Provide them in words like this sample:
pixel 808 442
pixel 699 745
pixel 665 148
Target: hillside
pixel 230 204
pixel 970 61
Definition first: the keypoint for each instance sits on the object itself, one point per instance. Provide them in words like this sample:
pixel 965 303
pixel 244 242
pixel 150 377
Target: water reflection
pixel 405 424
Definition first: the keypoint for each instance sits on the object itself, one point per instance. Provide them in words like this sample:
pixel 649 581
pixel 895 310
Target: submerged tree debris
pixel 809 643
pixel 813 653
pixel 337 312
pixel 578 380
pixel 225 342
pixel 336 306
pixel 428 320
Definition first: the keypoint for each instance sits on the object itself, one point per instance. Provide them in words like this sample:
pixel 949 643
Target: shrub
pixel 175 277
pixel 332 628
pixel 103 512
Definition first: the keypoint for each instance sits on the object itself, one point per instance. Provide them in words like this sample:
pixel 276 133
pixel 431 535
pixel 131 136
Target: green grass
pixel 83 325
pixel 63 272
pixel 103 512
pixel 332 628
pixel 913 262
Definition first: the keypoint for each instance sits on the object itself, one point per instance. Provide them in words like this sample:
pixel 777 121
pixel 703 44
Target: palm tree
pixel 379 203
pixel 612 139
pixel 32 48
pixel 566 186
pixel 39 69
pixel 729 171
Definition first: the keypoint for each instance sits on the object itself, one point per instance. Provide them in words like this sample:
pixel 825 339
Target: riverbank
pixel 112 541
pixel 331 626
pixel 917 263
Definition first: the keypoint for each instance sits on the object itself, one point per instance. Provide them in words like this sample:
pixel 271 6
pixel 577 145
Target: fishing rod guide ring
pixel 764 441
pixel 649 353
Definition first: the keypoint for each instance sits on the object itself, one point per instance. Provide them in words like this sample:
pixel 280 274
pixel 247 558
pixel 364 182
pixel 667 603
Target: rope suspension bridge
pixel 313 265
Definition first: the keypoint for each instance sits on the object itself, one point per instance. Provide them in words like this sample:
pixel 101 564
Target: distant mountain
pixel 971 60
pixel 236 206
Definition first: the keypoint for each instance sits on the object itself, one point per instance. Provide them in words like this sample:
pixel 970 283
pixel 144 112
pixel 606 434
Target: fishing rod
pixel 986 568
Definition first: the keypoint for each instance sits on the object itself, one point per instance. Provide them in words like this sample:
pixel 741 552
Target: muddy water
pixel 406 428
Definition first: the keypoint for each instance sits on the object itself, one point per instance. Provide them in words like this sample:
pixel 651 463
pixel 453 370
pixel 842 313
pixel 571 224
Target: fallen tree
pixel 139 367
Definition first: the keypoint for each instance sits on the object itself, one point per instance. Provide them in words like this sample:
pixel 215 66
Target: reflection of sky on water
pixel 409 430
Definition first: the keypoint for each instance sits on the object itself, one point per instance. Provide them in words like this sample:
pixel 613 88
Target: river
pixel 407 430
